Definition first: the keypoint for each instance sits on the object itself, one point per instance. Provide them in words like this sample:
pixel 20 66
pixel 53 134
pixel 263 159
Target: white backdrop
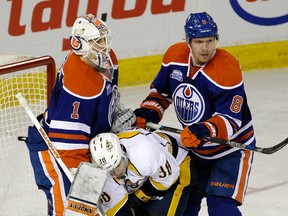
pixel 139 27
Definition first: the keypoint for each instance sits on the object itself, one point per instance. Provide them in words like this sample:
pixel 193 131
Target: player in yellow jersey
pixel 148 169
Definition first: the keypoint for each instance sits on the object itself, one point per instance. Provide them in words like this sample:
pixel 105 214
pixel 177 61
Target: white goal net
pixel 34 77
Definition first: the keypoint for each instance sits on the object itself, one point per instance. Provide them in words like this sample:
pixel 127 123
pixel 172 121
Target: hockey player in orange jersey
pixel 84 102
pixel 205 85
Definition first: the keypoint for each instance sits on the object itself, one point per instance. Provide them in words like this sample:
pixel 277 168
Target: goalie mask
pixel 92 40
pixel 106 151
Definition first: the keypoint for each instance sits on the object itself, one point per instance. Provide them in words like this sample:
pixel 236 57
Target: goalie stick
pixel 81 200
pixel 23 102
pixel 268 150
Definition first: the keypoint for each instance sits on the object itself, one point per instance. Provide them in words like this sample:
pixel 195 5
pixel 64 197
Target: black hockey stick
pixel 269 150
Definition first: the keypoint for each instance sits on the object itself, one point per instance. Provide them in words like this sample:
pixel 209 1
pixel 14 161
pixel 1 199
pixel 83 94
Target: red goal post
pixel 47 61
pixel 34 77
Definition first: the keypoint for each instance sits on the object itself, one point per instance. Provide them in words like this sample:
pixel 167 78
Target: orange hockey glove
pixel 145 115
pixel 188 139
pixel 140 122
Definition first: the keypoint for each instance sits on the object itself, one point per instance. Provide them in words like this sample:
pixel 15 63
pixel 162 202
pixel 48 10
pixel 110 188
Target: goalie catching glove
pixel 124 118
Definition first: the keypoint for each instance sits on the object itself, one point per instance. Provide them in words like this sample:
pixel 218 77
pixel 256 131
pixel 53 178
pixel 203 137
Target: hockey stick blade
pixel 272 149
pixel 268 150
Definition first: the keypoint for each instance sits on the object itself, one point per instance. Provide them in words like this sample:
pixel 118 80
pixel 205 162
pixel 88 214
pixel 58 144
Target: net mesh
pixel 19 194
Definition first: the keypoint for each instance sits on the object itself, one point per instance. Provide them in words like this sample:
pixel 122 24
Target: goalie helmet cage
pixel 34 77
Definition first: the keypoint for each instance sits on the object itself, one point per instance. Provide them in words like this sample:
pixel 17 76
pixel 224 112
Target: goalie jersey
pixel 213 93
pixel 82 105
pixel 153 167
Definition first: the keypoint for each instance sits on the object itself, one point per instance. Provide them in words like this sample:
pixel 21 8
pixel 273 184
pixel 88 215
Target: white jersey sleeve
pixel 150 162
pixel 114 196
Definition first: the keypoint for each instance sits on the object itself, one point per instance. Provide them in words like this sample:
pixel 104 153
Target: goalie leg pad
pixel 85 191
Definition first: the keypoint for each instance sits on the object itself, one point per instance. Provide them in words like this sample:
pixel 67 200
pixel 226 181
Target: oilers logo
pixel 75 42
pixel 188 103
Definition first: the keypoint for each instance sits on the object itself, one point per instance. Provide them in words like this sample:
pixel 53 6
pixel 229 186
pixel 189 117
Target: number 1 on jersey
pixel 75 114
